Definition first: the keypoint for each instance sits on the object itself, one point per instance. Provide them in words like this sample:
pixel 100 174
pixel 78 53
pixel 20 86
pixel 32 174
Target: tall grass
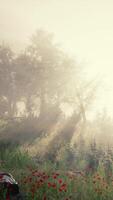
pixel 55 181
pixel 11 157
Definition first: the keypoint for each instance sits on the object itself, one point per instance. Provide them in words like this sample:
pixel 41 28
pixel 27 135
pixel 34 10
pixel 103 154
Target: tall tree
pixel 7 81
pixel 53 69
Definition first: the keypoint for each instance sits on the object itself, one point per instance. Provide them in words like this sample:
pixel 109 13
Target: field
pixel 47 181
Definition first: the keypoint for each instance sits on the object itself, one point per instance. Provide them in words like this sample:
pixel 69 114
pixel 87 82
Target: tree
pixel 7 82
pixel 44 78
pixel 53 68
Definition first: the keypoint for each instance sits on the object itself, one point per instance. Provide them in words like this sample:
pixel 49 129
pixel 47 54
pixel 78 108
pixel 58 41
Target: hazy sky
pixel 83 27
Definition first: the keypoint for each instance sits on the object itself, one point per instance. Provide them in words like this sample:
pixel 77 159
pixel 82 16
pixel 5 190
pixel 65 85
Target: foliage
pixel 49 180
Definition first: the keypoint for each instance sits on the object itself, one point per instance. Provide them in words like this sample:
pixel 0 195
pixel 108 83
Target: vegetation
pixel 46 141
pixel 85 179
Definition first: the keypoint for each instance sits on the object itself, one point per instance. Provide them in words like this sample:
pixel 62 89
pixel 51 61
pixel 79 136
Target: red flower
pixel 63 187
pixel 60 181
pixel 54 176
pixel 49 184
pixel 54 185
pixel 60 190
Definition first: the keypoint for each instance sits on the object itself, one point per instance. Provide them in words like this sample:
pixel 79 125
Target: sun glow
pixel 83 28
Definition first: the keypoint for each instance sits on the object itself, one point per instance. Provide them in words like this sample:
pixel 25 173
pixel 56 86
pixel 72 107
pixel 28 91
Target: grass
pixel 59 185
pixel 47 182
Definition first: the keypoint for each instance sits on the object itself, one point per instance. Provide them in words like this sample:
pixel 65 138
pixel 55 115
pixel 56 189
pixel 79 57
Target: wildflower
pixel 49 184
pixel 60 181
pixel 54 185
pixel 54 176
pixel 63 187
pixel 60 190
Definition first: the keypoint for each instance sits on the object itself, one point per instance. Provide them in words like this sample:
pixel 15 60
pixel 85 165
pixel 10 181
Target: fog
pixel 82 28
pixel 56 69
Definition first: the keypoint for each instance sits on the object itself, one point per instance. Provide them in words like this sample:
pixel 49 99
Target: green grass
pixel 47 182
pixel 41 185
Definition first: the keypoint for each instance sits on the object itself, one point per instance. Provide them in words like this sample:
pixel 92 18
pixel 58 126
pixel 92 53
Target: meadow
pixel 50 181
pixel 49 142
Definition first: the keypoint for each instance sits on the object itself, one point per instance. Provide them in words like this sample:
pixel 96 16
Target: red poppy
pixel 60 181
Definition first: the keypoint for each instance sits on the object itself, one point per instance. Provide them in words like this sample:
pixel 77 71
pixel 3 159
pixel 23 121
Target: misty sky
pixel 84 28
